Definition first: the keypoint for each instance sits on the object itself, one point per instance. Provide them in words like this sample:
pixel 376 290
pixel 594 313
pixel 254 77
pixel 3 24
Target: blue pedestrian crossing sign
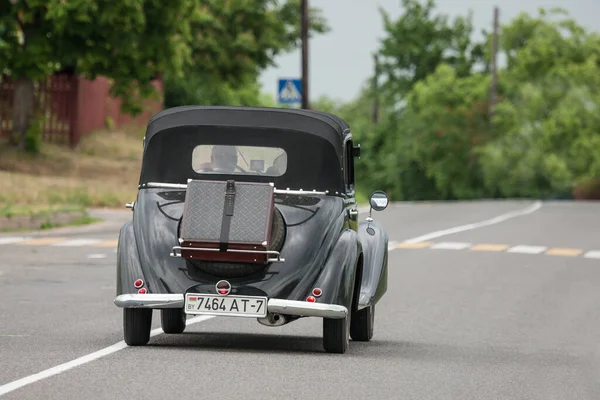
pixel 289 91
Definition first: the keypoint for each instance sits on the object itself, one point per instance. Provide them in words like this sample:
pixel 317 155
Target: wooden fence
pixel 71 107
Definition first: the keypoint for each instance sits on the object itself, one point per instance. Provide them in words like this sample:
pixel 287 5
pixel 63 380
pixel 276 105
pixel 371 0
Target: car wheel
pixel 363 321
pixel 136 325
pixel 336 335
pixel 173 320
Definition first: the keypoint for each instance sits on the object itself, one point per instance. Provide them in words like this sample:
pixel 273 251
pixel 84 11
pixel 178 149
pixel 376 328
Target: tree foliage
pixel 218 46
pixel 233 43
pixel 417 42
pixel 436 139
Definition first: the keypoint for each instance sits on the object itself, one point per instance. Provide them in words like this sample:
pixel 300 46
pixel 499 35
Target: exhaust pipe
pixel 273 320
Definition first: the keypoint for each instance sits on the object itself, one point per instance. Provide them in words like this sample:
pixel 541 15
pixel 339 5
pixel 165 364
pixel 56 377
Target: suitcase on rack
pixel 227 221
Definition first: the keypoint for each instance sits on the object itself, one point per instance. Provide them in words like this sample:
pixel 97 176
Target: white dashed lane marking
pixel 11 240
pixel 527 249
pixel 57 241
pixel 592 254
pixel 97 256
pixel 451 246
pixel 76 242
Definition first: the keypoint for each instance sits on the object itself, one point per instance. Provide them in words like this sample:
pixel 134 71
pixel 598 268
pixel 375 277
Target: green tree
pixel 418 41
pixel 233 43
pixel 414 46
pixel 128 41
pixel 436 140
pixel 548 117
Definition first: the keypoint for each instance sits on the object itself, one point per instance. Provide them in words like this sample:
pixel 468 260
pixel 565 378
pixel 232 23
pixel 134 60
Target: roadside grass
pixel 102 171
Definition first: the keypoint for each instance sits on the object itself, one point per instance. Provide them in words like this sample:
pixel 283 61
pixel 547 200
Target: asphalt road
pixel 504 309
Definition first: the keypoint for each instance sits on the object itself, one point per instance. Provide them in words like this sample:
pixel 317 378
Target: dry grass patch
pixel 103 171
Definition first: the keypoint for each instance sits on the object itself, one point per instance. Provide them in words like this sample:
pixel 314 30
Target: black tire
pixel 136 326
pixel 173 320
pixel 362 324
pixel 336 335
pixel 236 270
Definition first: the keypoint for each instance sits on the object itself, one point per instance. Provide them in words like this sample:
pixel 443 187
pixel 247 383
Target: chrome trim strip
pixel 301 192
pixel 227 251
pixel 278 191
pixel 149 300
pixel 306 309
pixel 161 185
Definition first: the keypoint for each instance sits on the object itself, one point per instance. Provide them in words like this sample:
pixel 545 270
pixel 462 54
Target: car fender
pixel 337 278
pixel 128 262
pixel 374 242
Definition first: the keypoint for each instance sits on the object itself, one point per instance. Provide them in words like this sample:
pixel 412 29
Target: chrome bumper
pixel 274 306
pixel 149 300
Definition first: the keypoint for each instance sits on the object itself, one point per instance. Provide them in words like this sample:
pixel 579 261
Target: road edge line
pixel 492 221
pixel 58 369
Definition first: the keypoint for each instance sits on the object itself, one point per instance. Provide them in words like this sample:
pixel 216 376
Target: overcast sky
pixel 341 60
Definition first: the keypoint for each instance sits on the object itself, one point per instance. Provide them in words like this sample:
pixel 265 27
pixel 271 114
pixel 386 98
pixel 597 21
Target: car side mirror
pixel 378 200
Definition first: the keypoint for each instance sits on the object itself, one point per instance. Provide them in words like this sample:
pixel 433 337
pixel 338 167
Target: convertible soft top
pixel 328 126
pixel 312 140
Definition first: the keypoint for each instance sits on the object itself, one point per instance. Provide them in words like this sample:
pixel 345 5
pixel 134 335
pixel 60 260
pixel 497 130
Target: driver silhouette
pixel 224 158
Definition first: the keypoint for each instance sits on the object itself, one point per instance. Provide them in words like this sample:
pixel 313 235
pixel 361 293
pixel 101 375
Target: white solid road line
pixel 501 218
pixel 9 387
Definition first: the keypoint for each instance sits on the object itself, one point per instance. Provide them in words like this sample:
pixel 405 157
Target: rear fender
pixel 374 242
pixel 338 275
pixel 128 262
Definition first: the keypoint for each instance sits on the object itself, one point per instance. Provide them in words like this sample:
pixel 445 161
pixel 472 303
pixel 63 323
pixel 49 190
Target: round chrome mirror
pixel 379 200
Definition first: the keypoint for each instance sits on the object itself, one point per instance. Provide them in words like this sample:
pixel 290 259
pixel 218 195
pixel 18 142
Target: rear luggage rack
pixel 177 252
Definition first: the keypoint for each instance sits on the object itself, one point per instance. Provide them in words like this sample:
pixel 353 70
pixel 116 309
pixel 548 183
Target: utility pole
pixel 304 36
pixel 375 89
pixel 493 86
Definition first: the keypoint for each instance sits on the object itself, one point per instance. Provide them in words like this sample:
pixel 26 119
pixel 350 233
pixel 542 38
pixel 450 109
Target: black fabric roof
pixel 319 123
pixel 312 140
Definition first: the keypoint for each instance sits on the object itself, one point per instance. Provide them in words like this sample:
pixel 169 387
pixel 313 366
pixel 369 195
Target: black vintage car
pixel 250 212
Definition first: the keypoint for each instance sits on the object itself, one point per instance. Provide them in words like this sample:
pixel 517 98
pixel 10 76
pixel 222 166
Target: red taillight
pixel 142 291
pixel 317 292
pixel 310 299
pixel 223 287
pixel 138 283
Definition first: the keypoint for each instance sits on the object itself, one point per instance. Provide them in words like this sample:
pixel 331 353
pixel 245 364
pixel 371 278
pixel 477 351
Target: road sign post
pixel 289 91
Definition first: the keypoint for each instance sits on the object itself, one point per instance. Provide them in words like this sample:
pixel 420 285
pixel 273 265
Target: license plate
pixel 239 306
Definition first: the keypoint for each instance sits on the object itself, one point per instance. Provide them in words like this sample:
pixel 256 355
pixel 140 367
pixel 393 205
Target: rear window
pixel 239 160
